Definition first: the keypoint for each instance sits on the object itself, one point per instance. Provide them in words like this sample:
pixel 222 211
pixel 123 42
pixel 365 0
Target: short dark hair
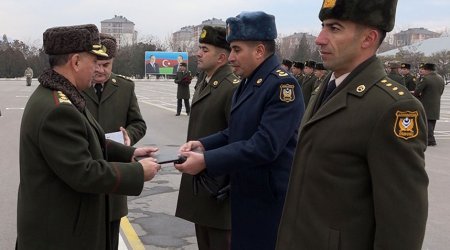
pixel 58 60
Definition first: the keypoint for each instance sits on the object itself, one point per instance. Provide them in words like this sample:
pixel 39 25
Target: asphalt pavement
pixel 151 214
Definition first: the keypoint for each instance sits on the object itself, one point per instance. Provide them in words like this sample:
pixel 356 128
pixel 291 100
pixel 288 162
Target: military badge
pixel 287 92
pixel 405 125
pixel 329 4
pixel 62 98
pixel 203 34
pixel 360 88
pixel 281 73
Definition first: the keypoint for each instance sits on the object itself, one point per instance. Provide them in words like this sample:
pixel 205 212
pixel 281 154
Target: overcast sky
pixel 26 20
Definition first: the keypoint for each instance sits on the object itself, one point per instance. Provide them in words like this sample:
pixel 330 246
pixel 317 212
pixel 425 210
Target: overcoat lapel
pixel 109 89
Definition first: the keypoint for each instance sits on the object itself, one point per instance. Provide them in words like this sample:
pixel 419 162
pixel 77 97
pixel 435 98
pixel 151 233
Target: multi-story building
pixel 289 44
pixel 186 39
pixel 121 28
pixel 413 35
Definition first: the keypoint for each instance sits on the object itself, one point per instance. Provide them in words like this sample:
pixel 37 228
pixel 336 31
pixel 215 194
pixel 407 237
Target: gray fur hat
pixel 110 44
pixel 73 39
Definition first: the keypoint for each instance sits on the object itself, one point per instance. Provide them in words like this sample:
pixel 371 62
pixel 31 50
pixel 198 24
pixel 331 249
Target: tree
pixel 303 51
pixel 442 61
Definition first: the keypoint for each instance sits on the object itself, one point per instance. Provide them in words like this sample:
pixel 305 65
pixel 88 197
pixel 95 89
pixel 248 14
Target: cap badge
pixel 405 125
pixel 287 92
pixel 203 34
pixel 329 4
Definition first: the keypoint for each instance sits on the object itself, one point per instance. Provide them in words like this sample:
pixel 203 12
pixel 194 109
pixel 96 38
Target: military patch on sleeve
pixel 405 125
pixel 287 92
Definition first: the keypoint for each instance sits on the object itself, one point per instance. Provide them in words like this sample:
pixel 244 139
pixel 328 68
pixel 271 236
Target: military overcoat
pixel 358 180
pixel 181 79
pixel 64 179
pixel 429 91
pixel 118 107
pixel 210 113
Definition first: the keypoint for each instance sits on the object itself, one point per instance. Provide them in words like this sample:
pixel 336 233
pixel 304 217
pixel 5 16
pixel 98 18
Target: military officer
pixel 308 81
pixel 394 73
pixel 358 180
pixel 210 113
pixel 429 91
pixel 408 78
pixel 297 71
pixel 183 79
pixel 64 176
pixel 113 103
pixel 29 75
pixel 257 147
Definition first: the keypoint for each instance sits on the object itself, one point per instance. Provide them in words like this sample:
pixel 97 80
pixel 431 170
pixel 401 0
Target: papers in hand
pixel 115 136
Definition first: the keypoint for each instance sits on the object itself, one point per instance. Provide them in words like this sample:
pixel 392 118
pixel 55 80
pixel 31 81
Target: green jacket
pixel 358 180
pixel 64 178
pixel 396 77
pixel 210 113
pixel 308 87
pixel 117 108
pixel 183 79
pixel 429 91
pixel 410 82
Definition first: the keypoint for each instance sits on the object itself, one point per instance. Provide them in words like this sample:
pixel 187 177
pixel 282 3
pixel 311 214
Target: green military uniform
pixel 300 78
pixel 308 87
pixel 118 107
pixel 183 91
pixel 64 177
pixel 210 113
pixel 29 75
pixel 394 75
pixel 410 82
pixel 358 179
pixel 429 91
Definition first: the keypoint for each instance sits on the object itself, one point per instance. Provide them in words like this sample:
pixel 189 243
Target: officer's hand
pixel 150 167
pixel 145 152
pixel 194 164
pixel 126 137
pixel 196 146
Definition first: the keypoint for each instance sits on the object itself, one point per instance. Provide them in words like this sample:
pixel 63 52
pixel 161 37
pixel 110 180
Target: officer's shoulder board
pixel 280 73
pixel 123 77
pixel 60 98
pixel 393 89
pixel 233 79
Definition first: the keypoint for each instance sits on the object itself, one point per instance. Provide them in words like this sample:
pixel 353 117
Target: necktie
pixel 98 90
pixel 331 86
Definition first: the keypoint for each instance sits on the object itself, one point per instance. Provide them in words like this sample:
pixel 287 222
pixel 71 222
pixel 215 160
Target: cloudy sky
pixel 26 20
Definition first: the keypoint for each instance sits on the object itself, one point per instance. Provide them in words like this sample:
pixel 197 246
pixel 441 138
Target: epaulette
pixel 61 98
pixel 124 77
pixel 280 73
pixel 393 89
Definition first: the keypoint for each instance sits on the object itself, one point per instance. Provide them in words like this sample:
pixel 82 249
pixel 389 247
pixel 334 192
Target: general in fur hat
pixel 110 44
pixel 73 39
pixel 377 13
pixel 214 36
pixel 251 26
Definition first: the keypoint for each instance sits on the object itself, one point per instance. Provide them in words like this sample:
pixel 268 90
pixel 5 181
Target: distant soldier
pixel 394 74
pixel 320 73
pixel 429 91
pixel 297 71
pixel 308 81
pixel 183 79
pixel 29 75
pixel 408 79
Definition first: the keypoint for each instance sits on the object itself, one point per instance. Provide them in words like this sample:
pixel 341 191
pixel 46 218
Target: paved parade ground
pixel 151 223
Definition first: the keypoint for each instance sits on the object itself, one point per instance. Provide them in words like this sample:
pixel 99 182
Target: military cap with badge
pixel 215 36
pixel 73 39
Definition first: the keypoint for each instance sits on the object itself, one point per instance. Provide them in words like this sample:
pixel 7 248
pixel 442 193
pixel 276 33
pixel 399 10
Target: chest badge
pixel 287 92
pixel 405 125
pixel 360 88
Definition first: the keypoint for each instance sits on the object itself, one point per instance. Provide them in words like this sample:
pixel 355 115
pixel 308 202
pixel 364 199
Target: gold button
pixel 389 84
pixel 113 80
pixel 395 88
pixel 401 93
pixel 384 81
